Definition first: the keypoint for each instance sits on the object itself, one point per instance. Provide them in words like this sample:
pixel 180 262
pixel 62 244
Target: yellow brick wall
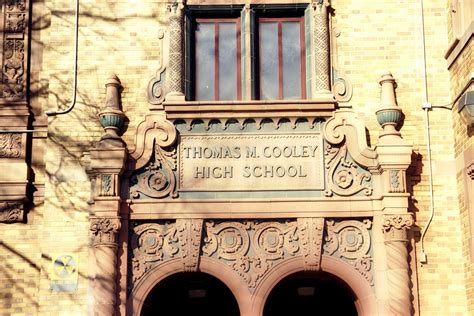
pixel 122 37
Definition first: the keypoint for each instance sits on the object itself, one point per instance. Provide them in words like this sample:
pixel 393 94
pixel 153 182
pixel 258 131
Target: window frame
pixel 280 21
pixel 216 22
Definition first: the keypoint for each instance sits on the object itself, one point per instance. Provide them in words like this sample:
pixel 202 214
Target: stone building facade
pixel 121 182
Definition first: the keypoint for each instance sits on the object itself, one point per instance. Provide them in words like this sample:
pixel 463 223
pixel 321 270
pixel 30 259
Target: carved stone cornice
pixel 104 230
pixel 11 212
pixel 396 226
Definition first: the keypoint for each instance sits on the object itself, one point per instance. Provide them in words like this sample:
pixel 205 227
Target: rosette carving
pixel 104 230
pixel 251 248
pixel 152 244
pixel 351 241
pixel 158 178
pixel 344 176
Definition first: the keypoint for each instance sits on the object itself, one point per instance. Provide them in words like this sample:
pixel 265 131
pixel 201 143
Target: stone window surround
pixel 320 61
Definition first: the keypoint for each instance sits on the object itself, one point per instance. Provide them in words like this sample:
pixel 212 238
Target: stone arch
pixel 207 265
pixel 365 297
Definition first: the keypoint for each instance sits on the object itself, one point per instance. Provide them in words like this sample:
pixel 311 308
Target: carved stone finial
pixel 390 114
pixel 112 117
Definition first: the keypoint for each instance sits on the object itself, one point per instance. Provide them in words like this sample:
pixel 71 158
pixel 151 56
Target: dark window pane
pixel 291 60
pixel 268 60
pixel 205 61
pixel 227 61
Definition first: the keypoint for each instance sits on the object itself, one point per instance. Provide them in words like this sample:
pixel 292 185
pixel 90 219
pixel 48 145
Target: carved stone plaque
pixel 252 162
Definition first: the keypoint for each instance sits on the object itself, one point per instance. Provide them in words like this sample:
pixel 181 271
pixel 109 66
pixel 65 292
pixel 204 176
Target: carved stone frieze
pixel 158 178
pixel 10 145
pixel 250 248
pixel 350 240
pixel 189 235
pixel 11 212
pixel 104 230
pixel 344 176
pixel 310 231
pixel 152 243
pixel 15 17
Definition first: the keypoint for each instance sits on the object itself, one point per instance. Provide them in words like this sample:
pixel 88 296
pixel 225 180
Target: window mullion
pixel 280 62
pixel 216 61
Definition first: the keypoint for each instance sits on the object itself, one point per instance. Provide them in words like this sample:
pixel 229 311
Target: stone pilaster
pixel 104 231
pixel 396 227
pixel 322 51
pixel 175 64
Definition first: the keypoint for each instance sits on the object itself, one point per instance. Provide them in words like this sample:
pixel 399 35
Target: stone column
pixel 175 64
pixel 396 239
pixel 104 232
pixel 322 52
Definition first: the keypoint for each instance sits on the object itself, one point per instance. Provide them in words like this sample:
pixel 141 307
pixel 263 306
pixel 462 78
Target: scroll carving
pixel 156 87
pixel 310 231
pixel 158 178
pixel 189 235
pixel 14 42
pixel 10 145
pixel 104 230
pixel 395 228
pixel 11 212
pixel 344 176
pixel 351 241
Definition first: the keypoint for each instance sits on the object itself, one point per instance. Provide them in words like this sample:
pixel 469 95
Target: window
pixel 281 58
pixel 234 54
pixel 217 59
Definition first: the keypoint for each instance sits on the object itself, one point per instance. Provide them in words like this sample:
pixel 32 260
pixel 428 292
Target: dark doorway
pixel 310 294
pixel 190 294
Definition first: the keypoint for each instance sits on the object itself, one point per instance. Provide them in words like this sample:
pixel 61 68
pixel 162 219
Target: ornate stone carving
pixel 10 145
pixel 395 229
pixel 470 171
pixel 189 235
pixel 321 38
pixel 397 181
pixel 104 230
pixel 152 244
pixel 310 231
pixel 344 176
pixel 14 40
pixel 230 241
pixel 351 241
pixel 158 178
pixel 175 63
pixel 11 212
pixel 156 87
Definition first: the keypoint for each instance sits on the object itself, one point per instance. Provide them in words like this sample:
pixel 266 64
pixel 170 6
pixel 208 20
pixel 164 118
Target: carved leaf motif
pixel 11 212
pixel 10 145
pixel 104 230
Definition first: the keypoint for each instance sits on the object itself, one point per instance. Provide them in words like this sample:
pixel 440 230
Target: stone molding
pixel 251 248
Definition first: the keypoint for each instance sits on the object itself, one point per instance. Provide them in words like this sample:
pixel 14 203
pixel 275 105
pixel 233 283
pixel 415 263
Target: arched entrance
pixel 310 293
pixel 193 293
